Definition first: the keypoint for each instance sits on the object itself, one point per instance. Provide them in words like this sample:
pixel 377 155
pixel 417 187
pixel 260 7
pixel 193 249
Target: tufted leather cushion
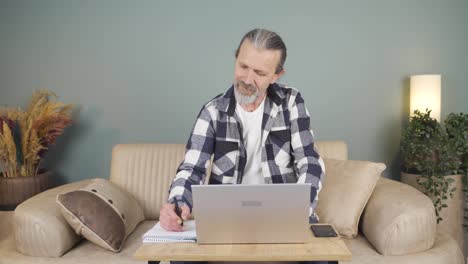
pixel 347 186
pixel 101 212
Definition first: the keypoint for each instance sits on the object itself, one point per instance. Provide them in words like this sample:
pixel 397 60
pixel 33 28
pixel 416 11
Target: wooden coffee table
pixel 330 249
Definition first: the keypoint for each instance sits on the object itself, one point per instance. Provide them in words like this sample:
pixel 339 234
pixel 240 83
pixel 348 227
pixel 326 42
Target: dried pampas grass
pixel 25 136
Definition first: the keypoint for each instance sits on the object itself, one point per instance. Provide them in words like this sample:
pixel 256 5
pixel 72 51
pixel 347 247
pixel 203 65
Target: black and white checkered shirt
pixel 288 151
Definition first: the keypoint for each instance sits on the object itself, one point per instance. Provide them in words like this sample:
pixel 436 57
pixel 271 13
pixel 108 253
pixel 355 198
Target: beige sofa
pixel 391 221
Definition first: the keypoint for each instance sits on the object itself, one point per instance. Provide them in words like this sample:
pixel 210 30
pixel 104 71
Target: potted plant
pixel 456 126
pixel 430 164
pixel 425 151
pixel 25 137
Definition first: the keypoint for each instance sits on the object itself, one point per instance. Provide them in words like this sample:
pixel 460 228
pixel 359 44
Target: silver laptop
pixel 264 213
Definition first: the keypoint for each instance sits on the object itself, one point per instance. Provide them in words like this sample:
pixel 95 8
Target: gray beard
pixel 245 99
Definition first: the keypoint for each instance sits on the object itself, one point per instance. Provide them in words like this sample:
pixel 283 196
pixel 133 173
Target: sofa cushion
pixel 146 171
pixel 347 186
pixel 39 227
pixel 101 212
pixel 444 251
pixel 398 219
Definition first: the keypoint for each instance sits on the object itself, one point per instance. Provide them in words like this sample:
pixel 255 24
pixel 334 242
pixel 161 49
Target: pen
pixel 178 211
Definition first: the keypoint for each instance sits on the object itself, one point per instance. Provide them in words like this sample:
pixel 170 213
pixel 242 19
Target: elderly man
pixel 258 131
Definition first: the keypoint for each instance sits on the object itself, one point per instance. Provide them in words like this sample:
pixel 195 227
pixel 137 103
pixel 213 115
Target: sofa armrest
pixel 39 227
pixel 399 219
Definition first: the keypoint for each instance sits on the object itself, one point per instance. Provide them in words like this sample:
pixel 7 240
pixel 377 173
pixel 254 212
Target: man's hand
pixel 169 219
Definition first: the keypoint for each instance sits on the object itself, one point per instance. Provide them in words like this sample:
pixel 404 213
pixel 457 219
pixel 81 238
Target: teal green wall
pixel 139 71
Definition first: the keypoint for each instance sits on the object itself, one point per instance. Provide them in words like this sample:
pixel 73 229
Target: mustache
pixel 249 87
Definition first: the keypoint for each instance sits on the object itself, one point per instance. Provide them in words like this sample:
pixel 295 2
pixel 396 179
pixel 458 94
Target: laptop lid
pixel 263 213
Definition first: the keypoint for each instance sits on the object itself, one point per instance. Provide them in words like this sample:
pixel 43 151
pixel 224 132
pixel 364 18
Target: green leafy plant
pixel 456 126
pixel 425 150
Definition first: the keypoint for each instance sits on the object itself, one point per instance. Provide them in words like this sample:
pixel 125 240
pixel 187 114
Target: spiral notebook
pixel 157 234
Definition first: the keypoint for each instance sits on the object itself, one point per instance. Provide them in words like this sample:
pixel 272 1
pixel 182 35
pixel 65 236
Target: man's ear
pixel 278 75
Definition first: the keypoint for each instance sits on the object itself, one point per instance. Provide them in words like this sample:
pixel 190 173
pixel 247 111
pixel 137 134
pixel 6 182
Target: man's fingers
pixel 185 212
pixel 171 226
pixel 168 218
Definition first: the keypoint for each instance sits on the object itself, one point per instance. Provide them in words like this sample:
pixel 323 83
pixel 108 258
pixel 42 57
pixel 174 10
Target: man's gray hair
pixel 266 39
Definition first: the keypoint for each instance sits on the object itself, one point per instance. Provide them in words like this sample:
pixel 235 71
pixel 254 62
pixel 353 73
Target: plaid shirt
pixel 288 153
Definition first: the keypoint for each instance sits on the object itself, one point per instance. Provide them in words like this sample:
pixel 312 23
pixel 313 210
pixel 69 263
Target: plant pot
pixel 452 216
pixel 15 190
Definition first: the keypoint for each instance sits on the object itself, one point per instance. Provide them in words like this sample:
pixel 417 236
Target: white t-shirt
pixel 252 135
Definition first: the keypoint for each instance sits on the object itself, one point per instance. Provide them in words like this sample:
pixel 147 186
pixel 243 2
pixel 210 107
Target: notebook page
pixel 159 233
pixel 165 240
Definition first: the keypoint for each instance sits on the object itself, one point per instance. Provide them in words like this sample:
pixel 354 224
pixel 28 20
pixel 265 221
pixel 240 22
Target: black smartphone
pixel 323 231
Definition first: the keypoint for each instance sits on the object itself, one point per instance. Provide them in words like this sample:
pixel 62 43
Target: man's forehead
pixel 261 59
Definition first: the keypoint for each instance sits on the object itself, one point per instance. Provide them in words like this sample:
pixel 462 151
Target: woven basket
pixel 14 191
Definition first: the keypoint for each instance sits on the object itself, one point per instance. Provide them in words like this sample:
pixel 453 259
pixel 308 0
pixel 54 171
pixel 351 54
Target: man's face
pixel 254 71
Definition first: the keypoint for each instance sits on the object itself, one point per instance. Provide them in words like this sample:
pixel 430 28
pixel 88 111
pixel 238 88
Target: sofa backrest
pixel 147 170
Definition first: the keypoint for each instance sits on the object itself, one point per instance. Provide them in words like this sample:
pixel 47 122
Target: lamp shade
pixel 425 93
